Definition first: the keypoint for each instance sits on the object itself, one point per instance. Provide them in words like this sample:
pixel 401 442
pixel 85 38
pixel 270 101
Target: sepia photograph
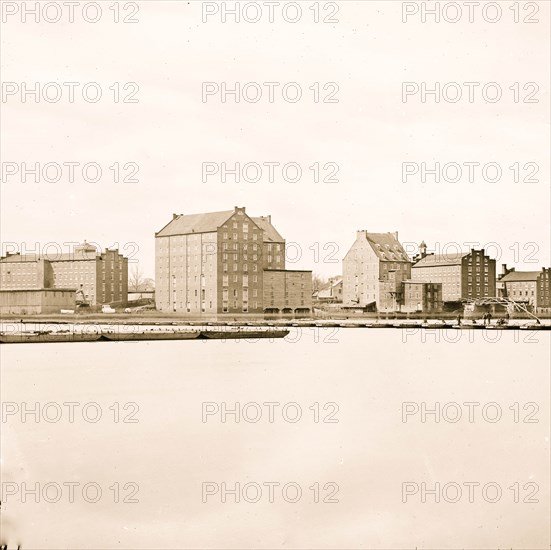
pixel 275 275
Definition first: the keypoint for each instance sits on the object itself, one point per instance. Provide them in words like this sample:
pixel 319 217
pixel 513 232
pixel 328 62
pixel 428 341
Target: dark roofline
pixel 176 216
pixel 182 234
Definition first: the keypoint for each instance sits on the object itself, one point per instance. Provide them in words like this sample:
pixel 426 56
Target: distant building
pixel 331 292
pixel 143 291
pixel 36 301
pixel 528 287
pixel 466 275
pixel 217 262
pixel 373 271
pixel 141 295
pixel 420 296
pixel 98 278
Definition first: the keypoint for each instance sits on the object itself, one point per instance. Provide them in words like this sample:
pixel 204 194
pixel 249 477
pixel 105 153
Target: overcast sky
pixel 369 133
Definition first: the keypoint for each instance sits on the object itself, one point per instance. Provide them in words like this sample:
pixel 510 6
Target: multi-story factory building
pixel 373 271
pixel 98 278
pixel 464 276
pixel 217 262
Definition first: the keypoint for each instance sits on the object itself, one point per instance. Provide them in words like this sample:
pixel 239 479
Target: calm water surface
pixel 166 449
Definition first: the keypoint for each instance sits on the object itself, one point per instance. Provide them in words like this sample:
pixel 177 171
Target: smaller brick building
pixel 287 291
pixel 464 276
pixel 529 287
pixel 420 296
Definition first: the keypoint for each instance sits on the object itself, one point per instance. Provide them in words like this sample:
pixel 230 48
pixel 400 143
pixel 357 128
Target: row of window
pixel 103 287
pixel 225 294
pixel 245 280
pixel 245 236
pixel 514 293
pixel 245 306
pixel 272 303
pixel 235 267
pixel 236 226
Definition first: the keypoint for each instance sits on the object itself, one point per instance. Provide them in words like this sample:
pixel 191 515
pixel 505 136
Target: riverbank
pixel 159 318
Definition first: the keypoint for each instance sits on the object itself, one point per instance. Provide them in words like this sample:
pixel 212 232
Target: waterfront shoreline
pixel 156 318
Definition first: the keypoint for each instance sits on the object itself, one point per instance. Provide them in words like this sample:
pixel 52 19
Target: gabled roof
pixel 209 222
pixel 195 223
pixel 387 247
pixel 520 276
pixel 270 232
pixel 439 260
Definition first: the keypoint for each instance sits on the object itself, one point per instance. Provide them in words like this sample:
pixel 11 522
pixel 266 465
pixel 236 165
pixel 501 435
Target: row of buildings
pixel 217 262
pixel 230 262
pixel 378 275
pixel 35 283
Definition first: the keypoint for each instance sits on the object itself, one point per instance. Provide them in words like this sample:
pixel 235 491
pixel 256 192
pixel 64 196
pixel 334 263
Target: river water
pixel 334 447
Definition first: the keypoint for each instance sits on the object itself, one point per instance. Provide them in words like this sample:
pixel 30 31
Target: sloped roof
pixel 387 247
pixel 438 260
pixel 270 232
pixel 325 293
pixel 520 276
pixel 195 223
pixel 209 222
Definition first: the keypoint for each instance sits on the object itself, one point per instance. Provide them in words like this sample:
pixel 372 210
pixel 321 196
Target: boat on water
pixel 47 337
pixel 535 326
pixel 242 334
pixel 142 336
pixel 151 335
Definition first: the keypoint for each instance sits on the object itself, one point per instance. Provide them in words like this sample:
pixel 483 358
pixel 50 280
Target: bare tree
pixel 135 279
pixel 318 282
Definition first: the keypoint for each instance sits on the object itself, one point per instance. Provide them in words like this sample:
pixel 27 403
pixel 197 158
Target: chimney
pixel 422 250
pixel 395 235
pixel 174 216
